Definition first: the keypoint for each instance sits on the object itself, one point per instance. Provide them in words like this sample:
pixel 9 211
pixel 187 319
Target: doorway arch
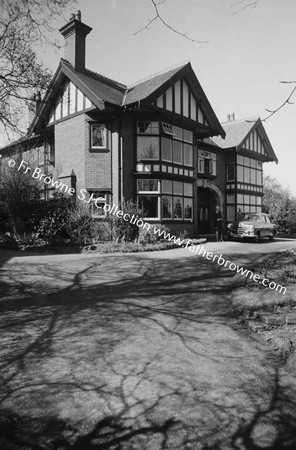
pixel 208 197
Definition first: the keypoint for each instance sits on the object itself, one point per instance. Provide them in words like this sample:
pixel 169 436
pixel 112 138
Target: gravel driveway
pixel 139 351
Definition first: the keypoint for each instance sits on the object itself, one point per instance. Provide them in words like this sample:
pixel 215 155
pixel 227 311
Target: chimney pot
pixel 228 117
pixel 78 15
pixel 233 117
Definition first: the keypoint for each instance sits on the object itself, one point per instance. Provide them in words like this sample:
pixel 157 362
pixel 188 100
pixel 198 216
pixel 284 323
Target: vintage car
pixel 252 225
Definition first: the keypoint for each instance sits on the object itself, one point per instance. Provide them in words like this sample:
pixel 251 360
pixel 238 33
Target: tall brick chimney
pixel 75 33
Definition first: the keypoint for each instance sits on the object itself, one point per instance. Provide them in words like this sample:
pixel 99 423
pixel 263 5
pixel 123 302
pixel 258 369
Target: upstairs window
pixel 147 147
pixel 168 129
pixel 206 163
pixel 231 173
pixel 98 136
pixel 147 127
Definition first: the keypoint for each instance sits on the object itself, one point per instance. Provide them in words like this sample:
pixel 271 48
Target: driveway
pixel 139 351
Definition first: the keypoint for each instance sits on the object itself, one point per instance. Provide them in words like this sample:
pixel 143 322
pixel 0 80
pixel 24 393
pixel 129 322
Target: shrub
pixel 149 237
pixel 65 221
pixel 123 230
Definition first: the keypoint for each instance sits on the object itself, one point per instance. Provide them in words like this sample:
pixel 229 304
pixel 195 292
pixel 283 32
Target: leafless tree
pixel 159 17
pixel 241 5
pixel 24 24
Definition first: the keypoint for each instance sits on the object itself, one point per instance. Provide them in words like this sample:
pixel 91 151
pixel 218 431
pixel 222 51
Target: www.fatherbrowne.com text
pixel 136 220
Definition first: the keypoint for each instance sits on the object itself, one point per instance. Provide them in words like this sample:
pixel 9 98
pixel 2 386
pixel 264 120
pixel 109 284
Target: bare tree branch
pixel 286 102
pixel 160 18
pixel 245 5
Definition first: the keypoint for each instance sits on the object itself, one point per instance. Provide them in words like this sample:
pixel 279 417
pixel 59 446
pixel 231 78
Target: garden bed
pixel 270 313
pixel 100 247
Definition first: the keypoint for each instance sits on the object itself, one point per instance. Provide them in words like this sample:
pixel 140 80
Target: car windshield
pixel 250 217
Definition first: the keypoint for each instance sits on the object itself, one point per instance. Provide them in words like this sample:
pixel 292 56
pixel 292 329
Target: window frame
pixel 101 198
pixel 94 147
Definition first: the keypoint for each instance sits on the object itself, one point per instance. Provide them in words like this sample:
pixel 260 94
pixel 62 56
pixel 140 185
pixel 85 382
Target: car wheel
pixel 271 237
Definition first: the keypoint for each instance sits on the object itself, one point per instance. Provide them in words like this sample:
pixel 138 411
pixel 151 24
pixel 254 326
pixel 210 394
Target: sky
pixel 248 52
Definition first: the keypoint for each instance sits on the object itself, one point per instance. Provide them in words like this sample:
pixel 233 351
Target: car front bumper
pixel 242 234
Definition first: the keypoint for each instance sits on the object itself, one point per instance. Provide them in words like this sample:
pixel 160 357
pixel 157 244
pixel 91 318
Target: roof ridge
pixel 98 75
pixel 103 77
pixel 160 72
pixel 244 119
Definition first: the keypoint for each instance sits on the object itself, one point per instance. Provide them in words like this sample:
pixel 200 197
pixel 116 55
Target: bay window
pixel 165 199
pixel 164 142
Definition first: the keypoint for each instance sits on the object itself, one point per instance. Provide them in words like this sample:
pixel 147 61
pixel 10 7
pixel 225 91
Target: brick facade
pixel 70 143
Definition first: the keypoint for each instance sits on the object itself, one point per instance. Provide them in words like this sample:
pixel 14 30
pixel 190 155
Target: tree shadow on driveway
pixel 132 352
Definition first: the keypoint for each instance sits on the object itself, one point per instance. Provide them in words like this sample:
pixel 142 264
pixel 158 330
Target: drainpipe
pixel 120 158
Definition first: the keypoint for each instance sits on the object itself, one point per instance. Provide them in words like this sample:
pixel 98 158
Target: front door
pixel 206 207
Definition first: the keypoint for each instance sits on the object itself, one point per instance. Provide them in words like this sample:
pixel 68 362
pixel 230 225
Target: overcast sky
pixel 240 68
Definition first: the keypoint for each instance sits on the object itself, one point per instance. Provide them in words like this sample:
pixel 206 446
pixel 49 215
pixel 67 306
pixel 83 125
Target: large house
pixel 157 142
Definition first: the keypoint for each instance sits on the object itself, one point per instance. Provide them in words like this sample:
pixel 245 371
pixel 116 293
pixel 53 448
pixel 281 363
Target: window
pixel 167 186
pixel 240 173
pixel 145 127
pixel 177 152
pixel 188 155
pixel 97 202
pixel 178 187
pixel 249 170
pixel 206 162
pixel 149 202
pixel 231 173
pixel 168 129
pixel 177 203
pixel 148 185
pixel 188 136
pixel 167 149
pixel 188 203
pixel 170 147
pixel 178 133
pixel 166 207
pixel 188 189
pixel 173 202
pixel 246 175
pixel 98 136
pixel 147 147
pixel 178 207
pixel 150 205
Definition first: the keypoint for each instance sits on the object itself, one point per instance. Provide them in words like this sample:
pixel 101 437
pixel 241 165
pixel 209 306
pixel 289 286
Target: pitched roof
pixel 211 142
pixel 102 87
pixel 143 89
pixel 117 93
pixel 236 132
